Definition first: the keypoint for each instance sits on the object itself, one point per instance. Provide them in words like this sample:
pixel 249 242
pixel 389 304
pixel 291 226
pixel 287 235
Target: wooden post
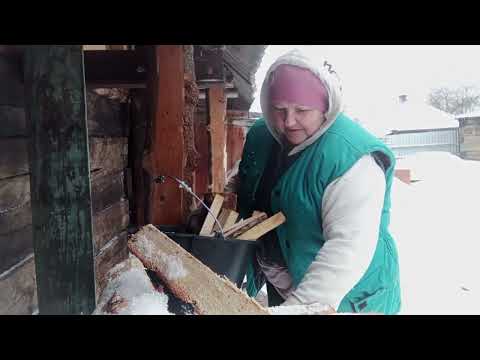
pixel 59 180
pixel 167 155
pixel 217 105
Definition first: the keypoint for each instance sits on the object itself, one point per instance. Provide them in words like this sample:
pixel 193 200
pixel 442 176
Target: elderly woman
pixel 332 180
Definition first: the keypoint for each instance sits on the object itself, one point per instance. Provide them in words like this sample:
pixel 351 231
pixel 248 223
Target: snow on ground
pixel 434 222
pixel 131 287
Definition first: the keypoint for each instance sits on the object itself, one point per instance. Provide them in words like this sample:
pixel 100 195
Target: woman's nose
pixel 290 120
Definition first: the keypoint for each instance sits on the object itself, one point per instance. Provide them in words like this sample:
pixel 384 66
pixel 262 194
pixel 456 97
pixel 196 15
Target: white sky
pixel 373 75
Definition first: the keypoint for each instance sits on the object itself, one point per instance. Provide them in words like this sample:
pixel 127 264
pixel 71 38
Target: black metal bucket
pixel 228 257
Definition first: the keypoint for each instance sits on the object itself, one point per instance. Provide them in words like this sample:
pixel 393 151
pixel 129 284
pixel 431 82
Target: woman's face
pixel 296 122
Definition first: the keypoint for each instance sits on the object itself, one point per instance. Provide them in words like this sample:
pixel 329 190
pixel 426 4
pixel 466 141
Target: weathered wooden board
pixel 14 246
pixel 114 252
pixel 210 219
pixel 105 117
pixel 109 207
pixel 11 86
pixel 109 222
pixel 60 179
pixel 12 121
pixel 202 145
pixel 167 155
pixel 104 153
pixel 187 278
pixel 14 157
pixel 264 227
pixel 217 104
pixel 18 290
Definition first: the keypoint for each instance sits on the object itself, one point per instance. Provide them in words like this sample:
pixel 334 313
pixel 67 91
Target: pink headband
pixel 296 85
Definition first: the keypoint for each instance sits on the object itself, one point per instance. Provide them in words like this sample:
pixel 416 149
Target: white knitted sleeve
pixel 351 212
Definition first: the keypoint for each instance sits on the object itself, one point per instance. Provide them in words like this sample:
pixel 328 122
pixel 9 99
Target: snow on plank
pixel 188 279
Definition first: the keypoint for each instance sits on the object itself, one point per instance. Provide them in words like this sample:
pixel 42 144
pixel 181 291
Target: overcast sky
pixel 378 74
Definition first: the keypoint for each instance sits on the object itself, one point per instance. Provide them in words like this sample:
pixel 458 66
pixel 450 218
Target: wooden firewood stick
pixel 210 220
pixel 263 228
pixel 244 225
pixel 227 218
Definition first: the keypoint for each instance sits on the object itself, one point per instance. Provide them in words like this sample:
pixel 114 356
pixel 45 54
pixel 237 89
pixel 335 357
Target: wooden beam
pixel 167 155
pixel 263 228
pixel 203 149
pixel 60 183
pixel 187 278
pixel 210 220
pixel 115 69
pixel 217 105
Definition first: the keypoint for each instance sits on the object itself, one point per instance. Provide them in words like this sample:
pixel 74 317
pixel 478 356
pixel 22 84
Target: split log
pixel 187 278
pixel 227 219
pixel 210 220
pixel 264 227
pixel 245 225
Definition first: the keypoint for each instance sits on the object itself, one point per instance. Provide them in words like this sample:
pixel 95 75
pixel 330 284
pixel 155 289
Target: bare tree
pixel 455 101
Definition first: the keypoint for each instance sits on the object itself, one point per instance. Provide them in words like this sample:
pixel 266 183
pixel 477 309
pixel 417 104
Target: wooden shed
pixel 85 129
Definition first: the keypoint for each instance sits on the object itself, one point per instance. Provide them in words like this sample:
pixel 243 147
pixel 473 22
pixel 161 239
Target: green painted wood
pixel 60 183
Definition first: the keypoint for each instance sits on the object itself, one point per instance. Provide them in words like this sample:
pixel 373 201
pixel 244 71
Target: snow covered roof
pixel 471 115
pixel 383 118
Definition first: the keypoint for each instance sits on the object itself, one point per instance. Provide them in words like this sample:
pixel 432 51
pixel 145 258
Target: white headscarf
pixel 325 72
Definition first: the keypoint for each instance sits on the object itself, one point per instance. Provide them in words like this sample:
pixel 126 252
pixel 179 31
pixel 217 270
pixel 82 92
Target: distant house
pixel 469 135
pixel 417 127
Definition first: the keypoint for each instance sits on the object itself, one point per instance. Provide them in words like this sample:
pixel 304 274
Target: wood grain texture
pixel 167 150
pixel 60 179
pixel 18 290
pixel 264 227
pixel 217 104
pixel 210 219
pixel 190 280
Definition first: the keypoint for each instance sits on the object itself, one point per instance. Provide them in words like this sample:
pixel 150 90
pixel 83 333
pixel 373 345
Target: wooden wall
pixel 108 143
pixel 469 138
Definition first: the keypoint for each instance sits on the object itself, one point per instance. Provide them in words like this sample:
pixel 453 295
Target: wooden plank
pixel 11 86
pixel 105 154
pixel 108 153
pixel 167 155
pixel 107 189
pixel 217 105
pixel 18 290
pixel 60 183
pixel 263 228
pixel 203 149
pixel 244 225
pixel 210 220
pixel 14 246
pixel 16 215
pixel 106 117
pixel 110 222
pixel 187 278
pixel 114 252
pixel 137 145
pixel 12 121
pixel 14 159
pixel 229 218
pixel 191 95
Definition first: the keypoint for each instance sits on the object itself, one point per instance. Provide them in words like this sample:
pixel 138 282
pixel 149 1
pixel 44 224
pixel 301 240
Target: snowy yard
pixel 434 222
